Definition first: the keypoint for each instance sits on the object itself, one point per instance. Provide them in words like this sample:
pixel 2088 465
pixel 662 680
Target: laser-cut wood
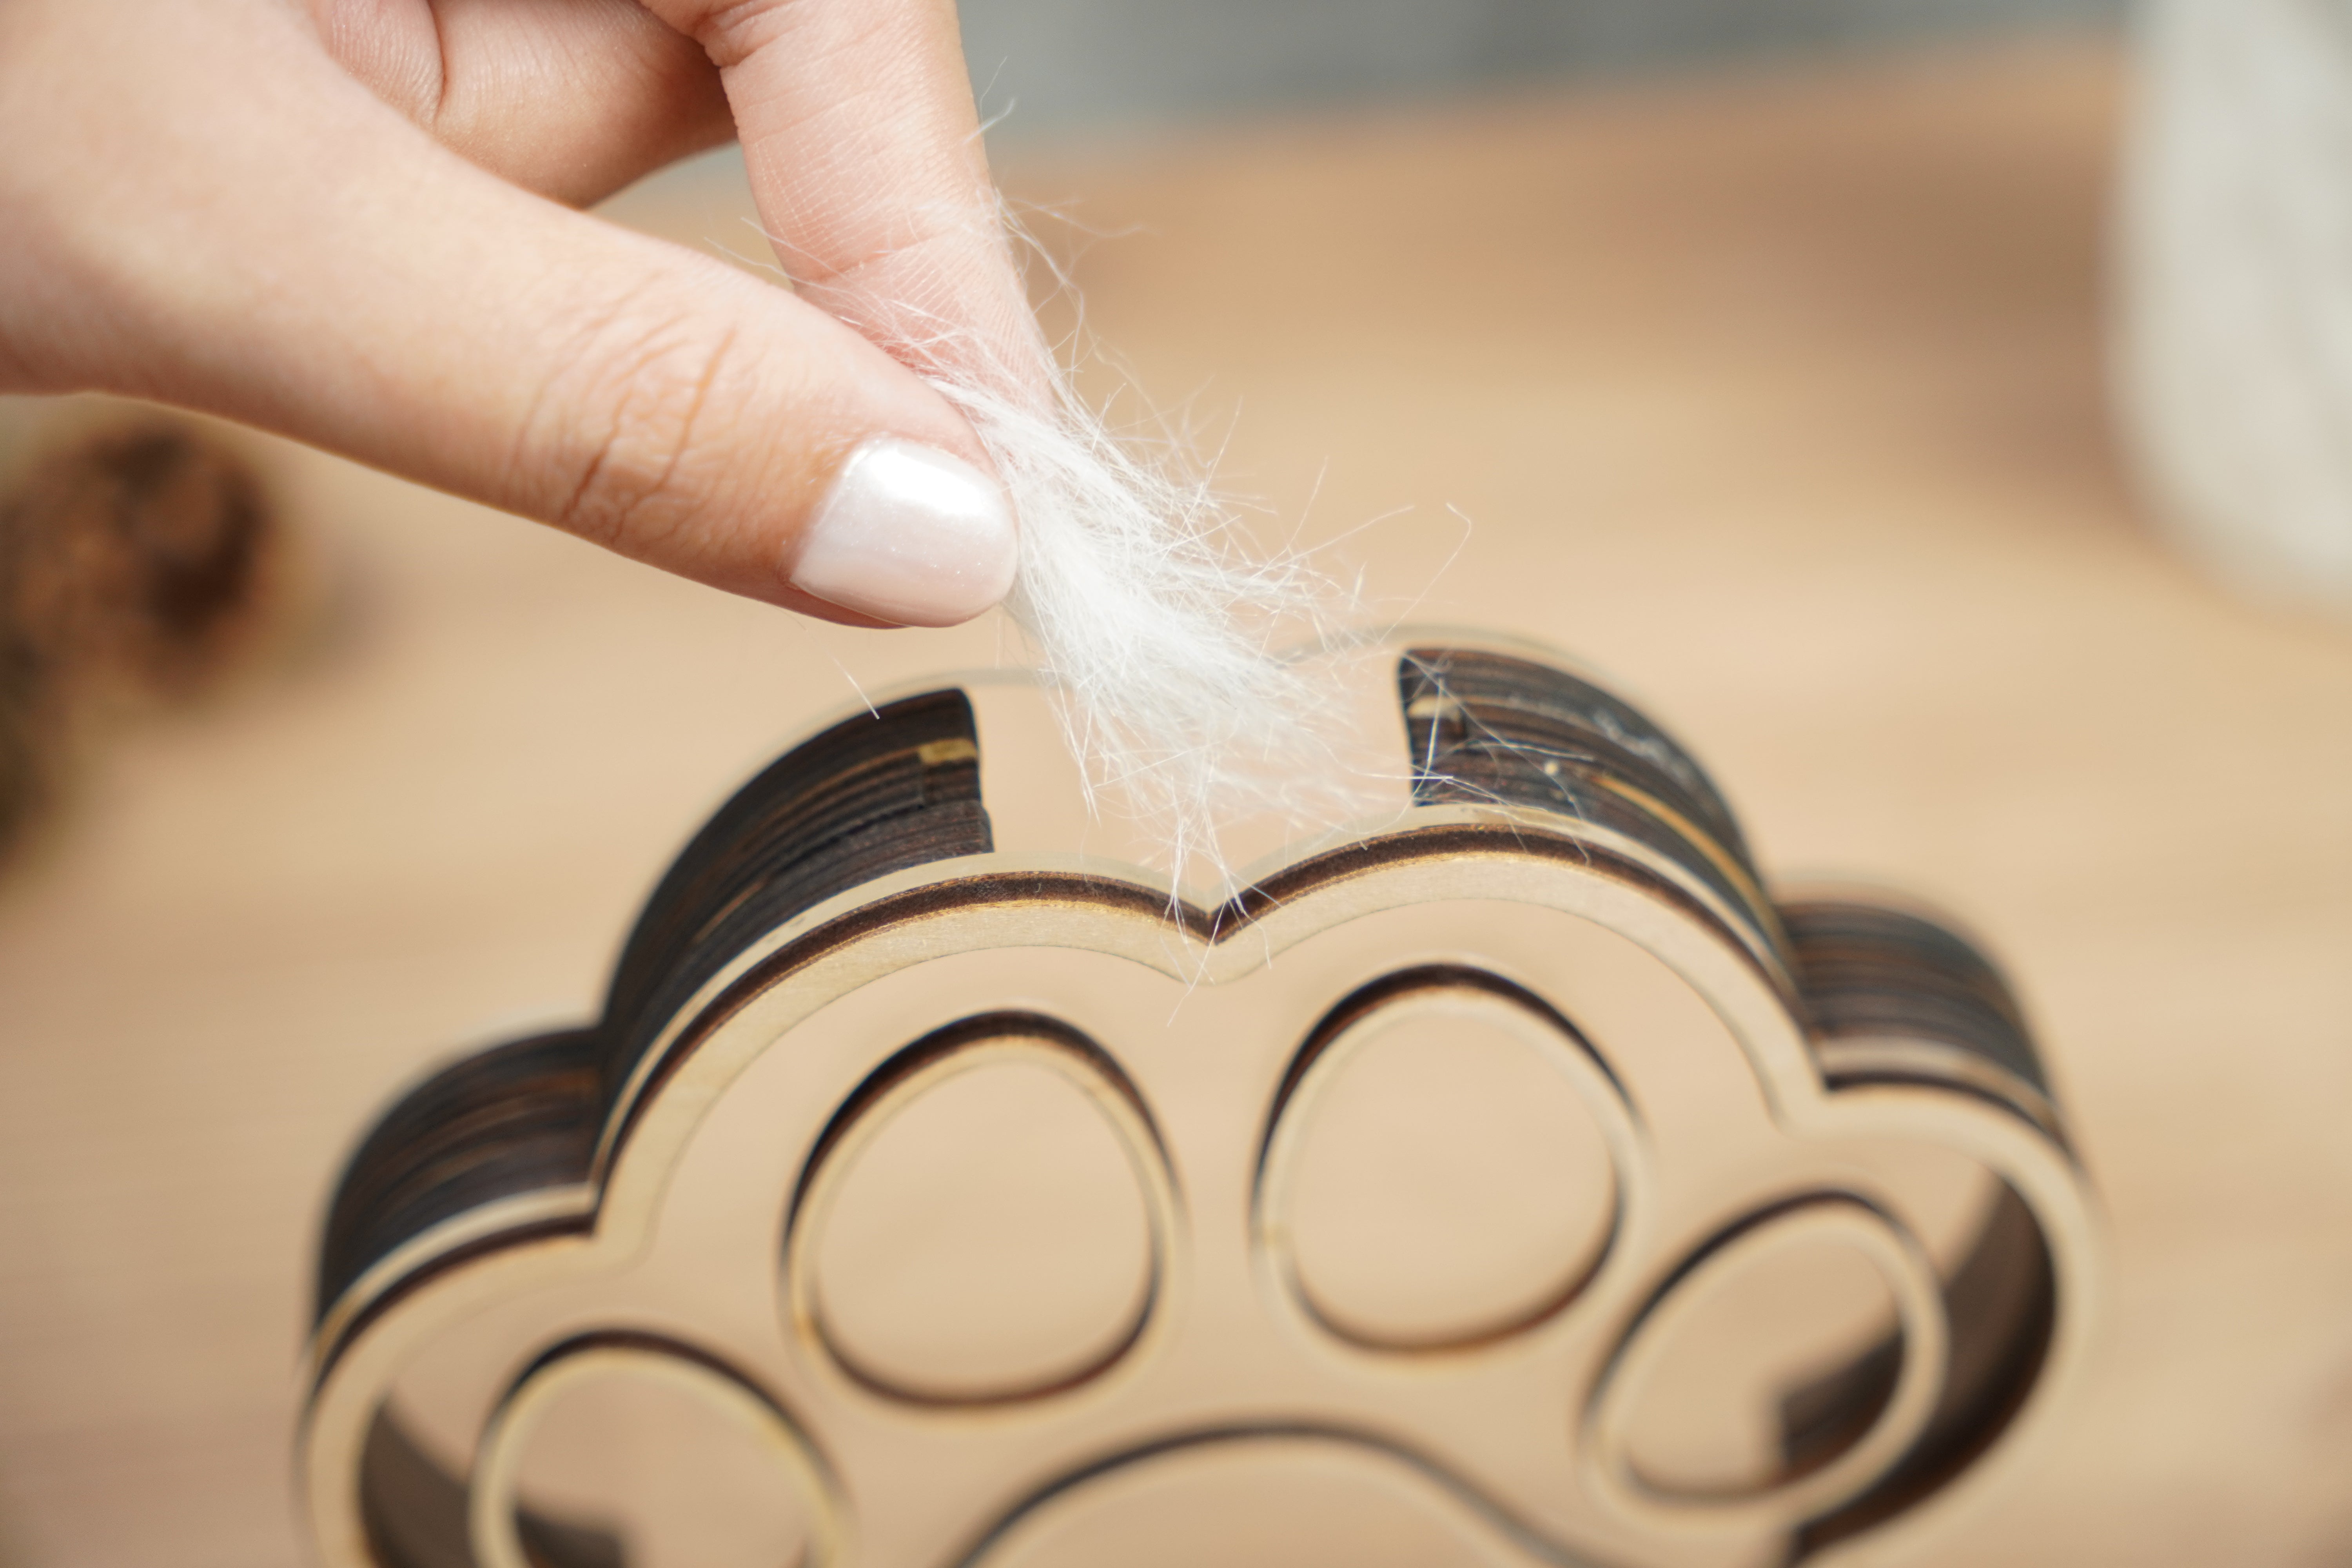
pixel 853 928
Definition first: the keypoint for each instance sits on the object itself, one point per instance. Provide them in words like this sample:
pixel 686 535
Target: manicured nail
pixel 911 535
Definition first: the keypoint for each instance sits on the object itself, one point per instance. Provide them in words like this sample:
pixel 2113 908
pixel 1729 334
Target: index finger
pixel 864 148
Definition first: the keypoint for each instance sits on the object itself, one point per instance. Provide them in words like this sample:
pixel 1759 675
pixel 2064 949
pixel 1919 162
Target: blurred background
pixel 1091 67
pixel 1841 377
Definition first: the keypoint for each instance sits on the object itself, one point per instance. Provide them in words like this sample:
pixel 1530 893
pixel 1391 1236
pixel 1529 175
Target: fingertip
pixel 908 534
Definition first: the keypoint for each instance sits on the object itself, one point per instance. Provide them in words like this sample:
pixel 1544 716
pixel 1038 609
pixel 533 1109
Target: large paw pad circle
pixel 1442 1167
pixel 1506 1180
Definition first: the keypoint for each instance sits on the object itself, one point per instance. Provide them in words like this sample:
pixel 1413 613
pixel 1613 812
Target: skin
pixel 355 222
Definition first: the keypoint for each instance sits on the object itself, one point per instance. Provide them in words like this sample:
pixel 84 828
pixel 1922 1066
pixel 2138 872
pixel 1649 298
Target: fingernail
pixel 911 535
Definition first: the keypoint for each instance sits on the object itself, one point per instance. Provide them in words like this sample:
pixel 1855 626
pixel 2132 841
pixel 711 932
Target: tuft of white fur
pixel 1154 621
pixel 1158 627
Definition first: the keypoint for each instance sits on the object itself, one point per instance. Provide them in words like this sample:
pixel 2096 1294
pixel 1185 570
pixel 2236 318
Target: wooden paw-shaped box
pixel 1507 1180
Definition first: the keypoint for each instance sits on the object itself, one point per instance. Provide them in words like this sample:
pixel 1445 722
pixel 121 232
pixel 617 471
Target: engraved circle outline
pixel 1324 1056
pixel 493 1525
pixel 943 1053
pixel 1924 1335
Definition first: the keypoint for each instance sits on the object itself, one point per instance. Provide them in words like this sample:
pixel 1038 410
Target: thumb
pixel 319 268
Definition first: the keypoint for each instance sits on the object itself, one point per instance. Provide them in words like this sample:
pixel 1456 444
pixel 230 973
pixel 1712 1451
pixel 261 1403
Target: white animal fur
pixel 1157 628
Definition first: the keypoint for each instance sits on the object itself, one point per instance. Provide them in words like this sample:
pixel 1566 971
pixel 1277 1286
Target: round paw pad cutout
pixel 1443 1168
pixel 982 1226
pixel 1779 1369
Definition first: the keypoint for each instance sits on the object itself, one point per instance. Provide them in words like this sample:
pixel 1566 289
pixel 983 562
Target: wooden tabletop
pixel 1777 396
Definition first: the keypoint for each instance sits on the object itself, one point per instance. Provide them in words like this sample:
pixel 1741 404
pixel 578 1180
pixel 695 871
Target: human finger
pixel 363 289
pixel 864 155
pixel 573 98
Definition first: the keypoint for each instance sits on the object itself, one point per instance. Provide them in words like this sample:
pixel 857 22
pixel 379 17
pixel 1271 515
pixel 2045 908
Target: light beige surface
pixel 1776 399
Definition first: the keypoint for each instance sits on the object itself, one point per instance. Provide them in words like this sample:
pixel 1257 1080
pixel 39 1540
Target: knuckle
pixel 638 391
pixel 732 30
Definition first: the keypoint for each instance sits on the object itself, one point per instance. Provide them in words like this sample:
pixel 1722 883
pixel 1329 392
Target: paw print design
pixel 1507 1180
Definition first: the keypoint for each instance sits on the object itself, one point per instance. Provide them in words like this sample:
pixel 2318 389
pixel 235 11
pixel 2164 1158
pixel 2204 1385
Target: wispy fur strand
pixel 1157 625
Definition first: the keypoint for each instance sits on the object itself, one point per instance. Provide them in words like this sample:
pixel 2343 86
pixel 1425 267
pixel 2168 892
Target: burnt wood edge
pixel 1487 728
pixel 414 1510
pixel 1522 1532
pixel 1872 971
pixel 1445 841
pixel 1876 973
pixel 875 793
pixel 514 1119
pixel 2001 1305
pixel 1472 706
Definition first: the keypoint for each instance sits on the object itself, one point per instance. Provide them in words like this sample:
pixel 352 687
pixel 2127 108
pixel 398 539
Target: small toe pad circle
pixel 984 1223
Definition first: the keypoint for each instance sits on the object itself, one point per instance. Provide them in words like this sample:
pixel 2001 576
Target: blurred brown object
pixel 140 565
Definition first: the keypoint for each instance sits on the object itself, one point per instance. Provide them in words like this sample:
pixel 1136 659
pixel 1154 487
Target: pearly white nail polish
pixel 910 534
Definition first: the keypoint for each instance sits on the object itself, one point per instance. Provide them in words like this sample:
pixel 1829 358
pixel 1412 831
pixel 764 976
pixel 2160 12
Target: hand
pixel 353 221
